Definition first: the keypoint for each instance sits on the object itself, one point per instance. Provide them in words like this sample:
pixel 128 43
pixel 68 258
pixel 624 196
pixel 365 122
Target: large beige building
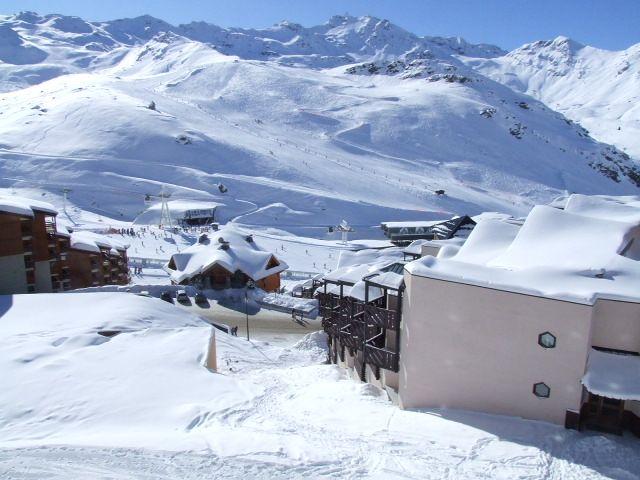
pixel 540 321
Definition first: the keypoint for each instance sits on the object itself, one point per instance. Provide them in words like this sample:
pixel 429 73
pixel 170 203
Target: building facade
pixel 539 321
pixel 38 256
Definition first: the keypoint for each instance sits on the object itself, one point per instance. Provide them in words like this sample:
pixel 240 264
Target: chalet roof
pixel 613 375
pixel 25 206
pixel 93 242
pixel 579 254
pixel 228 248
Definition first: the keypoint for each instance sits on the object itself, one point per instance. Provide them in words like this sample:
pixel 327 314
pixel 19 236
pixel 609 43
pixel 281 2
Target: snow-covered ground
pixel 141 405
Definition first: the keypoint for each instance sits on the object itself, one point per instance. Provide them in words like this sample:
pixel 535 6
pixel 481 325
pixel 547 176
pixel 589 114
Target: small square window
pixel 541 390
pixel 547 340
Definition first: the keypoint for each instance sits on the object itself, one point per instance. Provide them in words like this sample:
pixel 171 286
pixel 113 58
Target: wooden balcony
pixel 349 337
pixel 381 317
pixel 381 357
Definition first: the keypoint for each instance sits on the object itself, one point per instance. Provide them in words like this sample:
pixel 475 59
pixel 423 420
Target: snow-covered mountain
pixel 354 119
pixel 43 47
pixel 598 88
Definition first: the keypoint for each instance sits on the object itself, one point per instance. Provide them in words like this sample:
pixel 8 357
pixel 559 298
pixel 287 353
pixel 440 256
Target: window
pixel 541 390
pixel 547 340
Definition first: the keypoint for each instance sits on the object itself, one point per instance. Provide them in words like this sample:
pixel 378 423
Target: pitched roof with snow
pixel 228 248
pixel 25 206
pixel 589 250
pixel 93 242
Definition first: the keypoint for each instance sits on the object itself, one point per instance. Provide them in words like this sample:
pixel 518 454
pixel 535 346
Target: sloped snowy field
pixel 598 88
pixel 141 406
pixel 299 139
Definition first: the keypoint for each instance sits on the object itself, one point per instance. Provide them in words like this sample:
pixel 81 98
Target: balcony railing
pixel 381 357
pixel 349 337
pixel 381 317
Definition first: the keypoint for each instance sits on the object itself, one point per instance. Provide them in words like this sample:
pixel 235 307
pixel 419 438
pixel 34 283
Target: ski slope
pixel 356 119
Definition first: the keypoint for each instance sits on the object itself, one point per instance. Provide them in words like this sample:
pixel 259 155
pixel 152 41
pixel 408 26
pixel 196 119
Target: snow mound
pixel 315 342
pixel 140 382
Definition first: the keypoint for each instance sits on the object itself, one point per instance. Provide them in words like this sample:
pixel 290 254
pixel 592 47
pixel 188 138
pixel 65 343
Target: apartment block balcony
pixel 382 317
pixel 381 357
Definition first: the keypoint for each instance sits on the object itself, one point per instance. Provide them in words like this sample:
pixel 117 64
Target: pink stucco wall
pixel 616 325
pixel 475 348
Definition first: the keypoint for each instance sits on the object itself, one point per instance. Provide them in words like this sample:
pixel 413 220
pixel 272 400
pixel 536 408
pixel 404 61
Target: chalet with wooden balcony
pixel 226 258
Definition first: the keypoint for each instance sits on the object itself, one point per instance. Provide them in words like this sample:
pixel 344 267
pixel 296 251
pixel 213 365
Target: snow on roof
pixel 93 242
pixel 61 230
pixel 556 238
pixel 415 247
pixel 411 224
pixel 68 312
pixel 25 206
pixel 241 255
pixel 623 209
pixel 355 266
pixel 556 254
pixel 387 279
pixel 489 238
pixel 613 375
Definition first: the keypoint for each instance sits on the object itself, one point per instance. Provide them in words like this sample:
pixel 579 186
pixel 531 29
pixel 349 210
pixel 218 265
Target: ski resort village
pixel 338 251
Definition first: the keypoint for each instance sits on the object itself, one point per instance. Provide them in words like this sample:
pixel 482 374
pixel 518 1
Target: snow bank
pixel 314 342
pixel 65 383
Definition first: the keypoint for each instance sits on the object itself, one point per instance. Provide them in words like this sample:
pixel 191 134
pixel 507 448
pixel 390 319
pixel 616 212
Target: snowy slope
pixel 140 405
pixel 598 88
pixel 369 139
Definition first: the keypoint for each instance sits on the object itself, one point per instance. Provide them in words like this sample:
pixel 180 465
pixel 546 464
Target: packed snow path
pixel 311 421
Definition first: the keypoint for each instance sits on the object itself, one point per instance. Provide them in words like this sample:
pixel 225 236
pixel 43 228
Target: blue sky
pixel 612 24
